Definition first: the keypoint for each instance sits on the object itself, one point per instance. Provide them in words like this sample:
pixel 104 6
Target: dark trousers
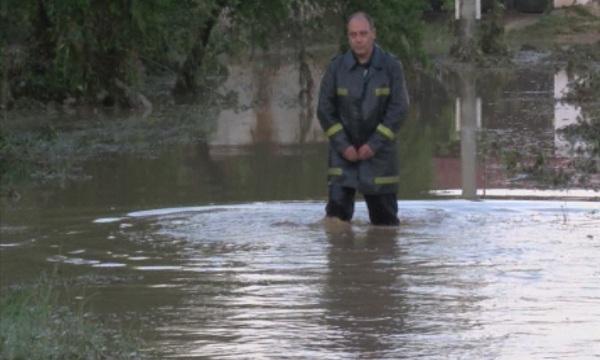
pixel 383 208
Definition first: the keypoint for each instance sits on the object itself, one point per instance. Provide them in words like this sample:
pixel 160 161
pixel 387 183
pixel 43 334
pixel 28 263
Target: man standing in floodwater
pixel 362 103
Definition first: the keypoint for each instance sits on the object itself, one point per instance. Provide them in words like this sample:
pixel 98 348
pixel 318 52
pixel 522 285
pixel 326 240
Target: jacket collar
pixel 376 58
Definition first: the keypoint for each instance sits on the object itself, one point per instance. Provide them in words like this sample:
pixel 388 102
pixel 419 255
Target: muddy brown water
pixel 217 249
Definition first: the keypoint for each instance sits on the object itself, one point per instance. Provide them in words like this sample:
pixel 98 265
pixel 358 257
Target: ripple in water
pixel 459 279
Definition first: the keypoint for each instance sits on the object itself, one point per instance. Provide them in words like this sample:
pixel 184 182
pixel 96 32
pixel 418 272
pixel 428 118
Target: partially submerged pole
pixel 469 112
pixel 467 15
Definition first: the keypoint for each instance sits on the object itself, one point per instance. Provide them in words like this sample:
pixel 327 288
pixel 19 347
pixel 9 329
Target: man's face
pixel 360 36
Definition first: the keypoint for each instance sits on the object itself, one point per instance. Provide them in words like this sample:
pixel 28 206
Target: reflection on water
pixel 565 114
pixel 510 130
pixel 440 143
pixel 477 132
pixel 363 296
pixel 458 279
pixel 268 109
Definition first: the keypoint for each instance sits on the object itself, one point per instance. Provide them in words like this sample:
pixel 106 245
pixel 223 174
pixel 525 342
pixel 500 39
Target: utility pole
pixel 467 14
pixel 468 122
pixel 4 87
pixel 468 112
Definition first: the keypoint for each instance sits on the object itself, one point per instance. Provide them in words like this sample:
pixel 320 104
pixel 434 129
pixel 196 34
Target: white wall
pixel 563 3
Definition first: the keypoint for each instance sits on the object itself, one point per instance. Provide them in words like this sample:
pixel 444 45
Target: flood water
pixel 215 247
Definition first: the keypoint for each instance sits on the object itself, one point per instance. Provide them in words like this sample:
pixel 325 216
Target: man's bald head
pixel 361 35
pixel 362 15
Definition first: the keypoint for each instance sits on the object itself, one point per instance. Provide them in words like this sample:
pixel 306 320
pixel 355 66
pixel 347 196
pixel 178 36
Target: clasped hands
pixel 364 152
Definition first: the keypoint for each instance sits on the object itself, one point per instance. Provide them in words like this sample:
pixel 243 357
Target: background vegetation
pixel 101 51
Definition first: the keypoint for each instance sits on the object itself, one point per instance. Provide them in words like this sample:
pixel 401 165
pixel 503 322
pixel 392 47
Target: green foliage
pixel 437 38
pixel 76 48
pixel 81 48
pixel 257 21
pixel 546 32
pixel 491 32
pixel 399 24
pixel 34 325
pixel 13 15
pixel 448 5
pixel 416 151
pixel 583 62
pixel 487 40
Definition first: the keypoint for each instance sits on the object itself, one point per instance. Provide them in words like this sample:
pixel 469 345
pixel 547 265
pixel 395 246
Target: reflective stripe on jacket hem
pixel 334 129
pixel 386 180
pixel 385 131
pixel 334 171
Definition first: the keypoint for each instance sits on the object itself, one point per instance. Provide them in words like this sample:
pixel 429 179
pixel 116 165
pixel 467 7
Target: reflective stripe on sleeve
pixel 385 91
pixel 334 172
pixel 386 180
pixel 334 129
pixel 385 131
pixel 342 92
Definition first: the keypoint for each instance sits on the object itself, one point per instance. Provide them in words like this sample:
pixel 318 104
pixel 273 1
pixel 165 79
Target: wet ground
pixel 204 229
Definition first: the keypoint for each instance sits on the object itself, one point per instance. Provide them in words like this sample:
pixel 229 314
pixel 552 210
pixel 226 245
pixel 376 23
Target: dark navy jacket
pixel 359 105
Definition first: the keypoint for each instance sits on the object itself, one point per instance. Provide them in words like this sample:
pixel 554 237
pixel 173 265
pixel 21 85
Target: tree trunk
pixel 305 79
pixel 41 54
pixel 186 83
pixel 43 35
pixel 5 91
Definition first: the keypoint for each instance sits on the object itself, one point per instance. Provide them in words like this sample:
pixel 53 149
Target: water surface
pixel 204 229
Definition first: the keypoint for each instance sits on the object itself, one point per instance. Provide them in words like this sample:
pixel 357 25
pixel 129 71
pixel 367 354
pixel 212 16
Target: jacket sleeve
pixel 328 112
pixel 395 113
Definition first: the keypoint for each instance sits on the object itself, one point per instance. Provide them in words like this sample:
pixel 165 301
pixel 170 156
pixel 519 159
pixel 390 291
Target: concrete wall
pixel 269 108
pixel 563 3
